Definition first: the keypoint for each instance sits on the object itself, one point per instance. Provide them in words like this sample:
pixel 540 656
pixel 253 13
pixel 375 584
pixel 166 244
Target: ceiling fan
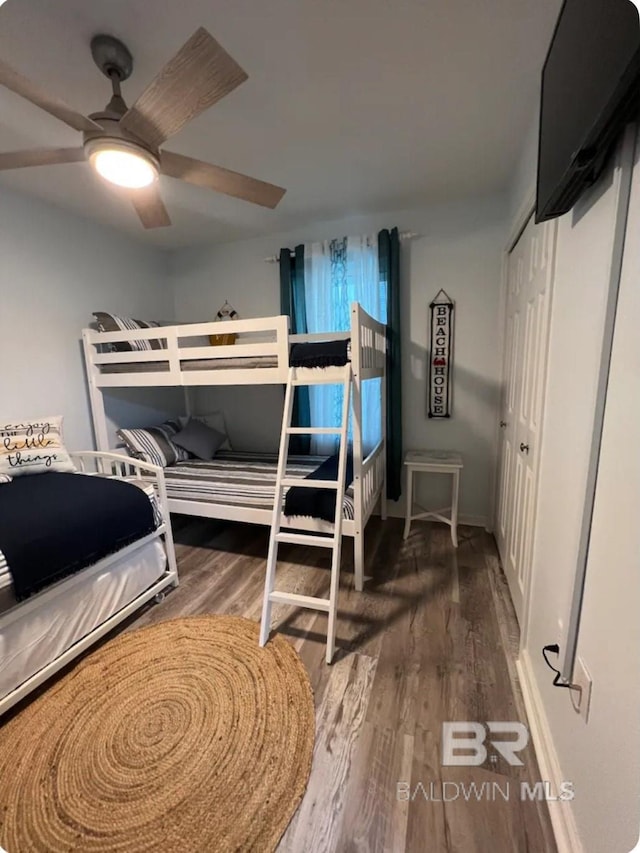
pixel 123 144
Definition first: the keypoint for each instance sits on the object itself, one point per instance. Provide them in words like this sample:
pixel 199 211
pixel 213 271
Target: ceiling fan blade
pixel 150 207
pixel 40 157
pixel 201 73
pixel 13 80
pixel 221 180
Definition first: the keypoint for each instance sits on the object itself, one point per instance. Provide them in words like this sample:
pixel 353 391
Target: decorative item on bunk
pixel 227 312
pixel 440 355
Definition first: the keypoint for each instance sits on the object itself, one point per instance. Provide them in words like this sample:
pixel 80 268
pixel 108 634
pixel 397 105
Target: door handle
pixel 503 424
pixel 524 447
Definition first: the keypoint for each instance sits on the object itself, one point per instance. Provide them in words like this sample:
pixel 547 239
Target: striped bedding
pixel 239 479
pixel 6 584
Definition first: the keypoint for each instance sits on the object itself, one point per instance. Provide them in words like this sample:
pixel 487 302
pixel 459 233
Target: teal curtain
pixel 389 261
pixel 292 302
pixel 336 273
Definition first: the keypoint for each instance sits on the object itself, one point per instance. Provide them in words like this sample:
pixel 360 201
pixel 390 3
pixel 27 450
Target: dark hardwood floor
pixel 432 639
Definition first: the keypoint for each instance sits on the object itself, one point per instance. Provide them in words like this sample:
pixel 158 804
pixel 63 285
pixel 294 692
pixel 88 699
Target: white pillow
pixel 33 446
pixel 215 420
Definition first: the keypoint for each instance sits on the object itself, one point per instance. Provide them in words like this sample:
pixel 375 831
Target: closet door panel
pixel 529 280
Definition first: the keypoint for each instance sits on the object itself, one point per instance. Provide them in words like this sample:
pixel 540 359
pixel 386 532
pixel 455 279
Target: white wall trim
pixel 527 209
pixel 475 521
pixel 561 813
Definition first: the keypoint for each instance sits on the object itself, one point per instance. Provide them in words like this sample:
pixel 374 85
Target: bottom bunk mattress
pixel 8 598
pixel 240 479
pixel 37 632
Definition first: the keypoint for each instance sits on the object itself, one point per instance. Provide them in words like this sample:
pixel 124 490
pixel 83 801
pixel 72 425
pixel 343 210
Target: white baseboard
pixel 474 521
pixel 561 813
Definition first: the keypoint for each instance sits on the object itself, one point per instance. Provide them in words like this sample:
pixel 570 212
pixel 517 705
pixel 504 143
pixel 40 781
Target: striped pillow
pixel 111 323
pixel 32 446
pixel 154 444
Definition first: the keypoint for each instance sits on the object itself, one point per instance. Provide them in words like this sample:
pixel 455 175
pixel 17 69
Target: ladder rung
pixel 300 600
pixel 293 482
pixel 305 539
pixel 314 430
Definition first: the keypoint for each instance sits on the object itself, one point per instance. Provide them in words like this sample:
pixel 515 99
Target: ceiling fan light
pixel 124 167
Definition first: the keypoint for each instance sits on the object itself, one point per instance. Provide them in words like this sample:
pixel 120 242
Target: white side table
pixel 433 462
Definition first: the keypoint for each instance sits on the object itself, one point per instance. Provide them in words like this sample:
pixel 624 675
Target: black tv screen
pixel 590 89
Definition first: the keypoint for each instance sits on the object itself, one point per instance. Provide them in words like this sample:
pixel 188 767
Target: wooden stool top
pixel 441 458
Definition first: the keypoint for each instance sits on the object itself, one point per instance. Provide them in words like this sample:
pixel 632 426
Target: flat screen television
pixel 590 89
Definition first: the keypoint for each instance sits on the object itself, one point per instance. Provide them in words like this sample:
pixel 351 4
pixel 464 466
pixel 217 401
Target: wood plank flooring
pixel 432 639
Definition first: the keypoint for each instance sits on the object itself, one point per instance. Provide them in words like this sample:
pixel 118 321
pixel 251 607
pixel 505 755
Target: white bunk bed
pixel 260 356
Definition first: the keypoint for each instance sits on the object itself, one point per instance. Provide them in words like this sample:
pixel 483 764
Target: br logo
pixel 463 743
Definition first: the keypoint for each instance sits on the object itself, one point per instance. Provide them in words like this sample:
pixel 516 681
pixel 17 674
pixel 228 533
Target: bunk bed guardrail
pixel 181 361
pixel 261 356
pixel 109 464
pixel 369 343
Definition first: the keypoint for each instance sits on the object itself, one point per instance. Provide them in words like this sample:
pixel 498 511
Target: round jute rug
pixel 183 736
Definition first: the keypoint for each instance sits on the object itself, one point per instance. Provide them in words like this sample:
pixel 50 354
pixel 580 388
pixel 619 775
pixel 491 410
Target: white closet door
pixel 529 281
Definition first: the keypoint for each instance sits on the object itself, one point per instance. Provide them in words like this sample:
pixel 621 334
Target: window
pixel 337 273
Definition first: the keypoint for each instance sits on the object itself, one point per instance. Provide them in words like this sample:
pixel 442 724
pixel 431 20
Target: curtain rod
pixel 404 235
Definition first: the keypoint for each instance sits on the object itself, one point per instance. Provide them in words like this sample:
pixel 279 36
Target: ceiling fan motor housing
pixel 112 130
pixel 112 57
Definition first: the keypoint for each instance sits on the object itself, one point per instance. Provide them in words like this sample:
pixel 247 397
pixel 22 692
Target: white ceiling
pixel 352 105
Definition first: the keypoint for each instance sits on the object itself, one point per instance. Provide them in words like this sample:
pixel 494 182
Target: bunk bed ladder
pixel 298 376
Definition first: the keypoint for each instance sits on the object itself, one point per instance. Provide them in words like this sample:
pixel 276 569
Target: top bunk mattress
pixel 234 363
pixel 240 479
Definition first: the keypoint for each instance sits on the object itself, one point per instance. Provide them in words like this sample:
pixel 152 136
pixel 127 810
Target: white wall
pixel 459 248
pixel 610 628
pixel 55 269
pixel 601 758
pixel 523 182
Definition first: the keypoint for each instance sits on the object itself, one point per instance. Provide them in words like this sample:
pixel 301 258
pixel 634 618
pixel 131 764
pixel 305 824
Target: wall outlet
pixel 582 698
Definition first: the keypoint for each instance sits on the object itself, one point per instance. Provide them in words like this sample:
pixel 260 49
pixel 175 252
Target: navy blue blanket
pixel 318 503
pixel 322 354
pixel 54 524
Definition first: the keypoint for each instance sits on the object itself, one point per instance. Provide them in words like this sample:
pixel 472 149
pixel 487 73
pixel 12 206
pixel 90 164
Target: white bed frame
pixel 368 361
pixel 113 465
